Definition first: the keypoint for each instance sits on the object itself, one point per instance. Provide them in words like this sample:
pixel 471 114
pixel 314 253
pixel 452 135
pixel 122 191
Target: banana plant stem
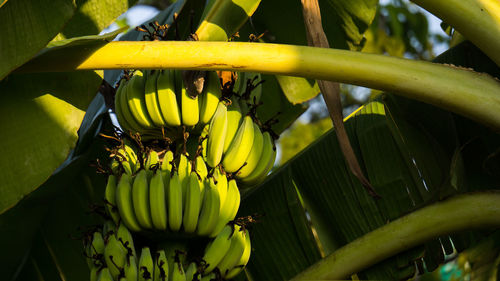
pixel 467 211
pixel 476 20
pixel 471 94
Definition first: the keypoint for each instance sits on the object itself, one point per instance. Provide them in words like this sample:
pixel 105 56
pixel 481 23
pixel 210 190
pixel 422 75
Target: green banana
pixel 201 167
pixel 209 213
pixel 221 184
pixel 140 199
pixel 108 228
pixel 193 203
pixel 266 162
pixel 161 266
pixel 95 250
pixel 190 112
pixel 123 159
pixel 167 98
pixel 131 271
pixel 234 193
pixel 235 252
pixel 217 249
pixel 118 110
pixel 125 237
pixel 204 141
pixel 240 147
pixel 94 273
pixel 166 167
pixel 146 266
pixel 229 209
pixel 151 98
pixel 174 251
pixel 125 109
pixel 110 199
pixel 131 155
pixel 192 273
pixel 242 262
pixel 136 102
pixel 151 161
pixel 210 97
pixel 124 203
pixel 184 169
pixel 115 166
pixel 202 171
pixel 105 275
pixel 175 202
pixel 178 272
pixel 210 277
pixel 216 135
pixel 157 201
pixel 115 256
pixel 254 156
pixel 234 117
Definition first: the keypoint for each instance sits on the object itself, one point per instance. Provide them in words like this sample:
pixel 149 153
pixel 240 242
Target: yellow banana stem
pixel 476 20
pixel 467 211
pixel 471 94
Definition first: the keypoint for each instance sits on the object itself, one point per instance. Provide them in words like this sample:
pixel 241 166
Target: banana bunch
pixel 155 99
pixel 159 187
pixel 174 194
pixel 239 144
pixel 229 252
pixel 111 254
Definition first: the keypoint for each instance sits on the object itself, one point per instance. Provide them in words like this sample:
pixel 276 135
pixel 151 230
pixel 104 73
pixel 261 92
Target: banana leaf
pixel 413 155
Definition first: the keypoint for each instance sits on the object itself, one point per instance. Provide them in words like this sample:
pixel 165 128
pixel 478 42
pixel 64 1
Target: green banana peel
pixel 463 91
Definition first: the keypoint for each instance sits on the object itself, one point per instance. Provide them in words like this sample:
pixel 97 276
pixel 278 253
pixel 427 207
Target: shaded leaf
pixel 27 26
pixel 344 22
pixel 92 16
pixel 282 242
pixel 276 105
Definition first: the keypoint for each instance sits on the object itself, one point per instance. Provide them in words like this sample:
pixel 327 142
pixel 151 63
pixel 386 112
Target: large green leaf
pixel 27 26
pixel 66 220
pixel 92 16
pixel 413 153
pixel 41 113
pixel 282 241
pixel 340 208
pixel 23 220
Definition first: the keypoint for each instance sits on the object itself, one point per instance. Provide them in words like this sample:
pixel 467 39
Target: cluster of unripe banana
pixel 173 194
pixel 185 149
pixel 112 256
pixel 157 103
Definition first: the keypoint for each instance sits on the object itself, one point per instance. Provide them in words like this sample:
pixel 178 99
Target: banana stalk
pixel 462 91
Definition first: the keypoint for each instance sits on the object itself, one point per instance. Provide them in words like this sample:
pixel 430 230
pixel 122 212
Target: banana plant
pixel 428 145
